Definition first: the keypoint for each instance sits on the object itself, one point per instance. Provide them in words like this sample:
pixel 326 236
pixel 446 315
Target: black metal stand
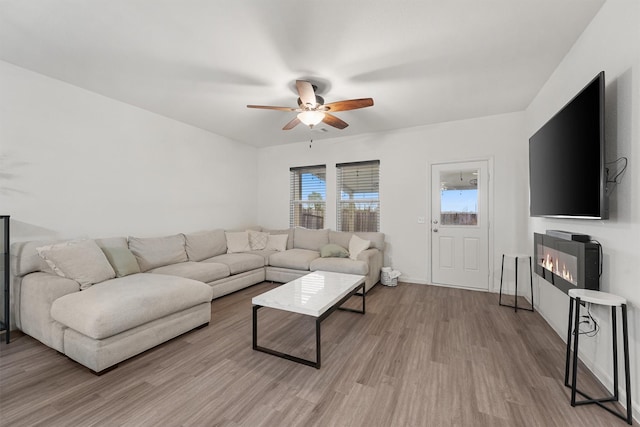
pixel 316 363
pixel 515 306
pixel 573 329
pixel 5 322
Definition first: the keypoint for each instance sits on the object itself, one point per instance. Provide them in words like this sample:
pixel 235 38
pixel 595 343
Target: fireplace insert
pixel 567 264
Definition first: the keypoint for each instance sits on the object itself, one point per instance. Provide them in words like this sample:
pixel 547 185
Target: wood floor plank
pixel 420 356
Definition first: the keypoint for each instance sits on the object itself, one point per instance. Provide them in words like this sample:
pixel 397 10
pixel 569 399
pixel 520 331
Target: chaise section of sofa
pixel 119 318
pixel 109 321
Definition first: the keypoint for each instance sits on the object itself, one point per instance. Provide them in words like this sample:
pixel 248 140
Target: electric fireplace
pixel 567 264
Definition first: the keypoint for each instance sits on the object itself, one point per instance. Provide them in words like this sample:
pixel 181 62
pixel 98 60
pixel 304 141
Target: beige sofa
pixel 160 287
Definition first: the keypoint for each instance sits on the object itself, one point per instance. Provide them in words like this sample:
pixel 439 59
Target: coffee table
pixel 317 294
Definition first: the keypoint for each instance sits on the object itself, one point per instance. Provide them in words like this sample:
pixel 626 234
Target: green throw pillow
pixel 122 260
pixel 333 251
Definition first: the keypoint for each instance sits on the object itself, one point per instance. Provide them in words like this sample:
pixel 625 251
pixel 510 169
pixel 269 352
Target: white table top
pixel 597 297
pixel 312 294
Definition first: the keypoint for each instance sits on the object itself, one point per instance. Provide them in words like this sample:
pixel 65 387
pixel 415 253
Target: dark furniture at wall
pixel 4 276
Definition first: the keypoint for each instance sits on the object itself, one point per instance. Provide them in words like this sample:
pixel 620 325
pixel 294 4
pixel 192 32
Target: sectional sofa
pixel 102 301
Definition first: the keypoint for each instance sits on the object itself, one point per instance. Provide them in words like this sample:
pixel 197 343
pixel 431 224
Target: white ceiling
pixel 202 61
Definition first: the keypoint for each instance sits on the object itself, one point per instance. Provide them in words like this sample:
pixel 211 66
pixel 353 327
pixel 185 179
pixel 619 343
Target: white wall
pixel 405 181
pixel 610 43
pixel 74 163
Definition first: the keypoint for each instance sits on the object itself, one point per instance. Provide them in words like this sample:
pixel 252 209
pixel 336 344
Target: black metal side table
pixel 576 297
pixel 517 257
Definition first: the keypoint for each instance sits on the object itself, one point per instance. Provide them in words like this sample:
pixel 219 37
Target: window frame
pixel 355 225
pixel 297 203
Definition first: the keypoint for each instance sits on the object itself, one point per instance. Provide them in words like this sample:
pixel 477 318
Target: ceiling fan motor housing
pixel 319 101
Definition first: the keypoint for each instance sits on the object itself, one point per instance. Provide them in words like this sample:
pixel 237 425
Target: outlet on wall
pixel 420 220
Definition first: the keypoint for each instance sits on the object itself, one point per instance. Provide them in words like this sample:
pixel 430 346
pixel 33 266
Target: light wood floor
pixel 421 356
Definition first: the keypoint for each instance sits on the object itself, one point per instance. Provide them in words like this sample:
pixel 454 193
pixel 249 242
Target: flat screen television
pixel 567 177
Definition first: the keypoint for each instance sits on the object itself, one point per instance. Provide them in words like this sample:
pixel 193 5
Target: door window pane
pixel 459 197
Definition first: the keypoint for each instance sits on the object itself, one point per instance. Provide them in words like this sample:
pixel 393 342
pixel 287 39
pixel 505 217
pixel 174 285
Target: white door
pixel 459 224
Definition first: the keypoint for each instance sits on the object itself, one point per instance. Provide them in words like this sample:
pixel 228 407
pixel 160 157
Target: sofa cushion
pixel 202 271
pixel 277 242
pixel 297 259
pixel 265 254
pixel 237 241
pixel 122 260
pixel 205 244
pixel 117 251
pixel 287 231
pixel 357 245
pixel 155 252
pixel 117 305
pixel 333 251
pixel 342 238
pixel 312 240
pixel 339 265
pixel 80 260
pixel 257 240
pixel 239 263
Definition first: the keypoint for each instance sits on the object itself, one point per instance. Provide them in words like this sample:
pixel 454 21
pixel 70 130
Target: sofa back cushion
pixel 205 244
pixel 312 240
pixel 340 238
pixel 237 241
pixel 152 252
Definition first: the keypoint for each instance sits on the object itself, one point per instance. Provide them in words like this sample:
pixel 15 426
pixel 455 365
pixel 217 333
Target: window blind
pixel 308 196
pixel 358 186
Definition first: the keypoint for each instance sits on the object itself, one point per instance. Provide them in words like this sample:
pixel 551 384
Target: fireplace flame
pixel 553 265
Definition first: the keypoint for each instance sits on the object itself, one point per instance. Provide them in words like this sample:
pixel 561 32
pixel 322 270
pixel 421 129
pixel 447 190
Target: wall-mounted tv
pixel 567 177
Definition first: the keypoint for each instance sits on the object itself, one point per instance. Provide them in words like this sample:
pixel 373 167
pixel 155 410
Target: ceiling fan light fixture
pixel 311 118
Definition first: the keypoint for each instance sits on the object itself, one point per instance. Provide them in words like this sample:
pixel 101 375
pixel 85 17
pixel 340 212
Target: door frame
pixel 490 211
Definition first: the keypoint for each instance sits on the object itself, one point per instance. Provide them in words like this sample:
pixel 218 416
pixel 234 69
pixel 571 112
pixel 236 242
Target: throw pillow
pixel 257 240
pixel 357 245
pixel 333 251
pixel 277 242
pixel 122 260
pixel 237 241
pixel 80 260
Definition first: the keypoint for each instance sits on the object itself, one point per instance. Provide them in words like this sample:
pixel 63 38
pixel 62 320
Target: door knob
pixel 435 230
pixel 435 221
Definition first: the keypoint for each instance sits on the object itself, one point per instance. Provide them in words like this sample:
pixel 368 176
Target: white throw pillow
pixel 357 245
pixel 80 260
pixel 237 241
pixel 257 240
pixel 277 242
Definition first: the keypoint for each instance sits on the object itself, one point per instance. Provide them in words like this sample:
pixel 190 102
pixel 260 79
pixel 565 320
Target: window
pixel 359 203
pixel 308 196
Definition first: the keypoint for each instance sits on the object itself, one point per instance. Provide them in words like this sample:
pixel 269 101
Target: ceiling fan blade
pixel 293 123
pixel 351 104
pixel 332 120
pixel 270 107
pixel 307 95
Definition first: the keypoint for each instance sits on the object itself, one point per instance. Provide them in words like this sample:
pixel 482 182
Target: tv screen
pixel 566 159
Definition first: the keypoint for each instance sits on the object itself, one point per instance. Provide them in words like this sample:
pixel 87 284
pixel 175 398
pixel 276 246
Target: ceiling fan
pixel 312 109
